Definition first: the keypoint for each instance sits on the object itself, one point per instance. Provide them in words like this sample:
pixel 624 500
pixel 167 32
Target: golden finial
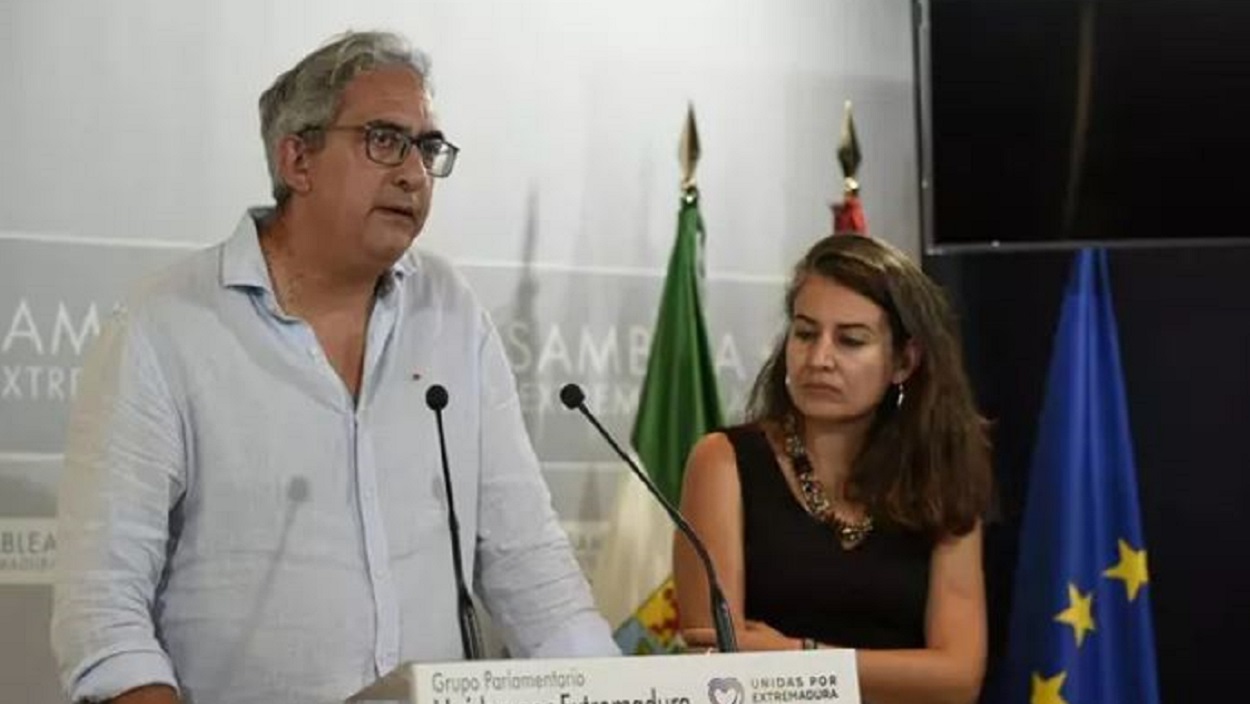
pixel 848 152
pixel 689 150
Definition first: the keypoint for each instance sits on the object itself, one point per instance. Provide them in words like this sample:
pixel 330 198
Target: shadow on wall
pixel 523 303
pixel 24 497
pixel 27 672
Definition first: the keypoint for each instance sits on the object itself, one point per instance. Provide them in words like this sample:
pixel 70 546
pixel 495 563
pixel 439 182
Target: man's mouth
pixel 401 210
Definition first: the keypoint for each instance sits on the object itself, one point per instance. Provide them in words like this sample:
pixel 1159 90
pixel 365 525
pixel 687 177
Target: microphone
pixel 470 632
pixel 573 398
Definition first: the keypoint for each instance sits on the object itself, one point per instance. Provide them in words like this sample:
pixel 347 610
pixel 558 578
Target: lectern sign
pixel 802 677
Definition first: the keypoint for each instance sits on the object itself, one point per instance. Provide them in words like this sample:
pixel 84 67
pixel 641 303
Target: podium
pixel 781 677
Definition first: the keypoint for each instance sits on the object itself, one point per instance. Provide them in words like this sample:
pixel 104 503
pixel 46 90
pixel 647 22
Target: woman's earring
pixel 898 400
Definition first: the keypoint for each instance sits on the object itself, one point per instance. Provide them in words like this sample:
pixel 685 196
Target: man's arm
pixel 148 694
pixel 123 473
pixel 527 573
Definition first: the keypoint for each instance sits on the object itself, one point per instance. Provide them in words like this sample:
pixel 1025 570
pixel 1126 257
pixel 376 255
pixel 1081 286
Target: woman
pixel 846 512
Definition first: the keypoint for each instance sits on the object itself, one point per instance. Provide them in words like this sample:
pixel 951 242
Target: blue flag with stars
pixel 1080 624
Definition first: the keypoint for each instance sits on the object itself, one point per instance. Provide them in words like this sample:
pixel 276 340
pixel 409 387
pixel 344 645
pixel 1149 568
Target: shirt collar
pixel 243 264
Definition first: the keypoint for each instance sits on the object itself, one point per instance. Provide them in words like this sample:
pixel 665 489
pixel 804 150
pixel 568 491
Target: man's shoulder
pixel 432 265
pixel 191 279
pixel 205 272
pixel 433 279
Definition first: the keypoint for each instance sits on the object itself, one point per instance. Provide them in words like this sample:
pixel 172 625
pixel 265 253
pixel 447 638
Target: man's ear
pixel 908 361
pixel 294 154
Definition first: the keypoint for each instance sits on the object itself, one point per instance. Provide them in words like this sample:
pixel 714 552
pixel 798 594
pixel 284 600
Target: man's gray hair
pixel 309 95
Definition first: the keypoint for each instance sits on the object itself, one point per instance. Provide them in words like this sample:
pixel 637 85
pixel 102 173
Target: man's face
pixel 369 212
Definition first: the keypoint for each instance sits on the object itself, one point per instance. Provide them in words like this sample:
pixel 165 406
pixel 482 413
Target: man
pixel 252 507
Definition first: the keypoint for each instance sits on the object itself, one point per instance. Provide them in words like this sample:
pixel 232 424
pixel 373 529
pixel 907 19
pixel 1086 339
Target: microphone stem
pixel 722 619
pixel 470 634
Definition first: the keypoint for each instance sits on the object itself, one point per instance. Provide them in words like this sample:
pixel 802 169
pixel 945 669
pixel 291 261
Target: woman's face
pixel 840 358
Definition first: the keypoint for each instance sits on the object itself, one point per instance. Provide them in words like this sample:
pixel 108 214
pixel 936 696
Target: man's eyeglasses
pixel 389 145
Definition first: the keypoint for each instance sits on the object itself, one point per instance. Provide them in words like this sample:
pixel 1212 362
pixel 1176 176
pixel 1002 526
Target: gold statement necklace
pixel 816 501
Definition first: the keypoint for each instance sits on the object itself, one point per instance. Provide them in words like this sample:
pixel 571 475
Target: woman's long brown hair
pixel 925 465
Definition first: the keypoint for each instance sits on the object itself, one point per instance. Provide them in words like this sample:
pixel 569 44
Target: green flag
pixel 679 402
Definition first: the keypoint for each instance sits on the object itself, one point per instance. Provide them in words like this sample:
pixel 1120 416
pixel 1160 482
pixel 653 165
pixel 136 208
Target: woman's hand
pixel 755 635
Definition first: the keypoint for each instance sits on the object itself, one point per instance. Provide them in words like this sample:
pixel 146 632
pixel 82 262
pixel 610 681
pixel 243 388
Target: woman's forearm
pixel 922 676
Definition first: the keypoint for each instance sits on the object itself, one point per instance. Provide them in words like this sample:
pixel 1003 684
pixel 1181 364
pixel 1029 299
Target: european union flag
pixel 1081 626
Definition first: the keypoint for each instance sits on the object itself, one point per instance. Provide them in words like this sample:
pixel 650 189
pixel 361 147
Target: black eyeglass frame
pixel 438 155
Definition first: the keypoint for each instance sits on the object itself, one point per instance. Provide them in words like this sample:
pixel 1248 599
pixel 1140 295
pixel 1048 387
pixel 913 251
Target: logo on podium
pixel 725 690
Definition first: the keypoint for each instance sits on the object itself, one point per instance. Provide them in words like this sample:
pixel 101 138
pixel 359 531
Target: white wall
pixel 136 118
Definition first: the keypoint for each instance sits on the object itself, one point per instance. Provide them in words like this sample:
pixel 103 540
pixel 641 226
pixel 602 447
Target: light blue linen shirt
pixel 233 524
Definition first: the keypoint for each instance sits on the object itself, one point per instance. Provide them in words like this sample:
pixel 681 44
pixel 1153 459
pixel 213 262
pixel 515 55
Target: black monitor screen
pixel 1087 120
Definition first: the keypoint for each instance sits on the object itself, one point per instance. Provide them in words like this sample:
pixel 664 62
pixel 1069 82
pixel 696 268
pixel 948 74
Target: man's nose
pixel 412 175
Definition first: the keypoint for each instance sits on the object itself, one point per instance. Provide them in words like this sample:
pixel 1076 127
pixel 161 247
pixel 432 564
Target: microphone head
pixel 297 490
pixel 436 397
pixel 572 396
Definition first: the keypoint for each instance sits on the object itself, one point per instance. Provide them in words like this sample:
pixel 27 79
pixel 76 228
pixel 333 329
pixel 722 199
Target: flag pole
pixel 848 215
pixel 678 403
pixel 689 153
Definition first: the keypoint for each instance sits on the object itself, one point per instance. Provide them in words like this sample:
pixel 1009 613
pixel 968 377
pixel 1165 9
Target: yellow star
pixel 1131 569
pixel 1046 690
pixel 1079 614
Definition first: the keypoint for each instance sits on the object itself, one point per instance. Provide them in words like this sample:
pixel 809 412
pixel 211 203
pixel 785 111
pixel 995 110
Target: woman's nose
pixel 822 354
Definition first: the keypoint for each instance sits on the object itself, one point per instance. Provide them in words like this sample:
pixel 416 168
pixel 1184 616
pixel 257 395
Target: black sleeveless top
pixel 800 581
